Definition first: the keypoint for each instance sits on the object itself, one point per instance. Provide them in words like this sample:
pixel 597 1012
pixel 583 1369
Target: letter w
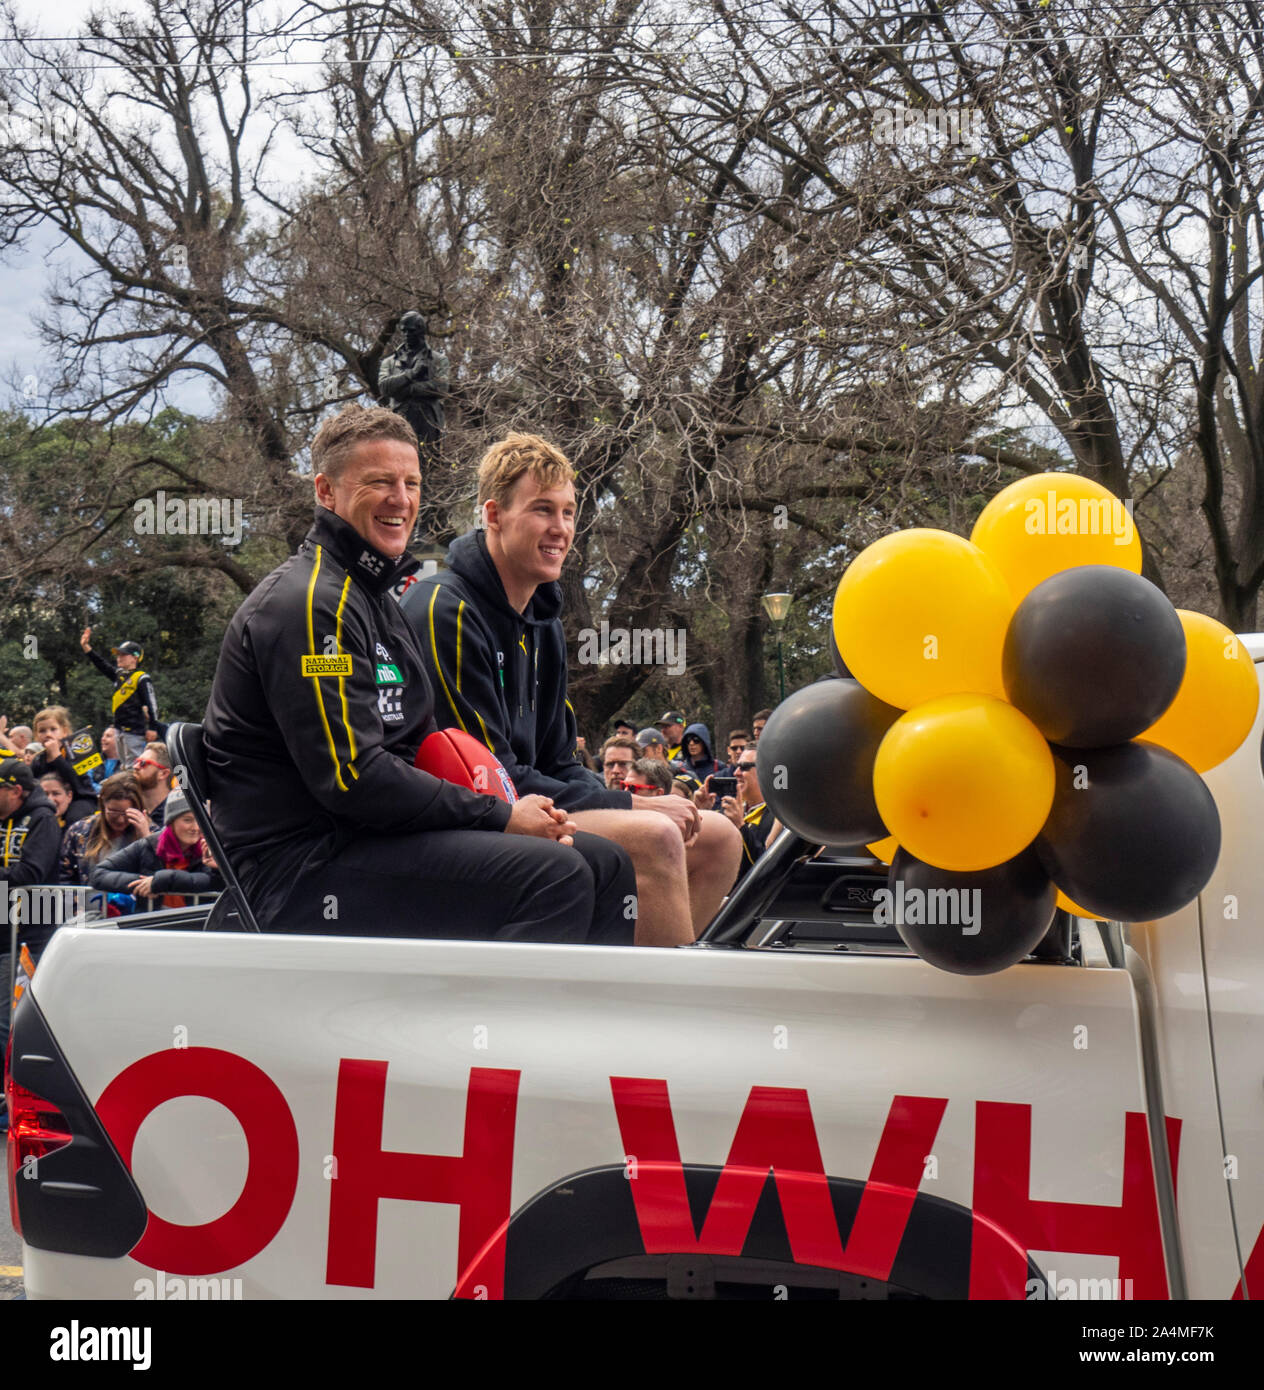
pixel 775 1133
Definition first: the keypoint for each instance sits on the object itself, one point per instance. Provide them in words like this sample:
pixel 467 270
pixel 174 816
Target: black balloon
pixel 982 921
pixel 840 666
pixel 1093 656
pixel 1133 834
pixel 815 761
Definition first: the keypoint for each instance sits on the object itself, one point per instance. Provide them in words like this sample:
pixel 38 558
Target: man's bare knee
pixel 650 839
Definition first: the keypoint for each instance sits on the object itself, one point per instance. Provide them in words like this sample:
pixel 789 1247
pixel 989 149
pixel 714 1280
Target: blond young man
pixel 491 635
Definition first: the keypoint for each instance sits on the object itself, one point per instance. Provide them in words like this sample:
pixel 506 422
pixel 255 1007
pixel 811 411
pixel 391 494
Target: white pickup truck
pixel 795 1107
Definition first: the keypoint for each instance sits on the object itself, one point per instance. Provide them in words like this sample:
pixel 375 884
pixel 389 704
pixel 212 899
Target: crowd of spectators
pixel 112 823
pixel 98 814
pixel 676 759
pixel 111 817
pixel 102 816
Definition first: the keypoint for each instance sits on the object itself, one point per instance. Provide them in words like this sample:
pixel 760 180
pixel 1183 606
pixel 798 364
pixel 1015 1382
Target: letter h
pixel 478 1180
pixel 1008 1223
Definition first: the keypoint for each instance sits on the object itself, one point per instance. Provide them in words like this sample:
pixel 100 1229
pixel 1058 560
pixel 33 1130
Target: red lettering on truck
pixel 272 1141
pixel 774 1134
pixel 1004 1212
pixel 477 1180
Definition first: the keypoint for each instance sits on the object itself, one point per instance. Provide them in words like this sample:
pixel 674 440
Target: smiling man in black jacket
pixel 319 704
pixel 491 634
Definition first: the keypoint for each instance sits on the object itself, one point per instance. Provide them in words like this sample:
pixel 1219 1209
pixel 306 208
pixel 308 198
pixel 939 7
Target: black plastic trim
pixel 589 1219
pixel 83 1200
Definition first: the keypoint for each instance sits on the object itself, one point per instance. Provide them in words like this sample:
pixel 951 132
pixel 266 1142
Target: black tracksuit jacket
pixel 501 675
pixel 319 703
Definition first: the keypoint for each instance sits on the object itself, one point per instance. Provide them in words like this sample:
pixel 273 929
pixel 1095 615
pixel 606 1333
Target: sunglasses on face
pixel 610 767
pixel 745 767
pixel 641 787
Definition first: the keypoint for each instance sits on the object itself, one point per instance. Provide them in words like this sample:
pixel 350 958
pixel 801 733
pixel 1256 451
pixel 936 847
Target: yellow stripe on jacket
pixel 311 647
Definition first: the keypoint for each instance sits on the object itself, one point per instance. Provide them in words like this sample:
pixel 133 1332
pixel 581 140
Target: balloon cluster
pixel 1020 722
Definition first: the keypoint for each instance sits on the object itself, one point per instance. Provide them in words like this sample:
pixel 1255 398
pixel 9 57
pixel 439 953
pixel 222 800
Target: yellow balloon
pixel 1050 522
pixel 1074 908
pixel 919 614
pixel 1218 697
pixel 964 782
pixel 884 849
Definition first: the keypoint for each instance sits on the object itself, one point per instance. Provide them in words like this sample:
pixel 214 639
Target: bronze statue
pixel 412 382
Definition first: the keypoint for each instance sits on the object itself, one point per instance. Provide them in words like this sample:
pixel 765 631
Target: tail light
pixel 36 1129
pixel 68 1188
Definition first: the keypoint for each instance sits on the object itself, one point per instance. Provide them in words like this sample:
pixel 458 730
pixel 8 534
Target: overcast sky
pixel 24 276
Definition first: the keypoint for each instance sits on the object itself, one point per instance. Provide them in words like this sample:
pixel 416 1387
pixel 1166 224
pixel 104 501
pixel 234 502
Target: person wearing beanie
pixel 162 868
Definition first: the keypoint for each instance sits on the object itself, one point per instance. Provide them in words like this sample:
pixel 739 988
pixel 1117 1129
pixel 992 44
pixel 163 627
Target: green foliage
pixel 73 564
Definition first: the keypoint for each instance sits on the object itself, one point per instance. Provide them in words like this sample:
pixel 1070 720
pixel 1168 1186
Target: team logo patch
pixel 326 665
pixel 390 704
pixel 81 745
pixel 388 674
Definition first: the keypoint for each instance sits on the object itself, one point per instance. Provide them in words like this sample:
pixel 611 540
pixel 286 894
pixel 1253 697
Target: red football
pixel 456 757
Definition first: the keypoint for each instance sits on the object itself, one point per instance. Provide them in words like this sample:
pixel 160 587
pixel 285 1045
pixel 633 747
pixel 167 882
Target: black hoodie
pixel 501 675
pixel 29 842
pixel 319 704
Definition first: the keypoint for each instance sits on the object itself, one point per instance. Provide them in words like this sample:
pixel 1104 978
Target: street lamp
pixel 777 606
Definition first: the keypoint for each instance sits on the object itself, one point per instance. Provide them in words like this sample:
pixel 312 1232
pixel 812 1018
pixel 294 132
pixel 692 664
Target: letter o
pixel 272 1143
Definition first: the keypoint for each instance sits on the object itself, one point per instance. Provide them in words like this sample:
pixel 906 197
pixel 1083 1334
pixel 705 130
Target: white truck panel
pixel 858 1031
pixel 1232 919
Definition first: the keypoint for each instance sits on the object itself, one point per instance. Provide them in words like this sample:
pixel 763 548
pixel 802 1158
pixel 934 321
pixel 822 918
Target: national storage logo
pixel 326 665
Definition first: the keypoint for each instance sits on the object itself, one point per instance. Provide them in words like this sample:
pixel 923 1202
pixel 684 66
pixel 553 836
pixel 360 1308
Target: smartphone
pixel 724 786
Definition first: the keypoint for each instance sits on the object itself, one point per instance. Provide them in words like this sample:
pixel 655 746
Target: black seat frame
pixel 186 744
